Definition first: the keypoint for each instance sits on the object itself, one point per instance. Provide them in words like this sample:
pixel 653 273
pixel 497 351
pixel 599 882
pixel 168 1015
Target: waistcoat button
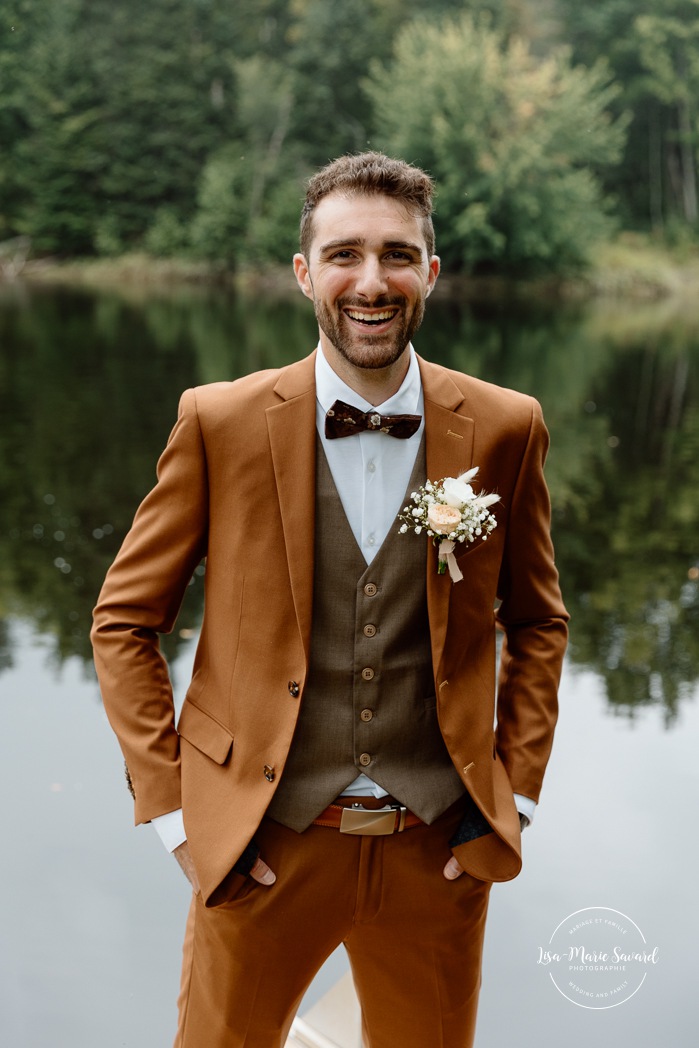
pixel 370 589
pixel 366 715
pixel 365 759
pixel 294 689
pixel 369 630
pixel 368 673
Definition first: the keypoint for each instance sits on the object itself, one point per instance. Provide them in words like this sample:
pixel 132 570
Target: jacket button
pixel 365 759
pixel 269 773
pixel 368 673
pixel 366 715
pixel 294 689
pixel 369 630
pixel 370 590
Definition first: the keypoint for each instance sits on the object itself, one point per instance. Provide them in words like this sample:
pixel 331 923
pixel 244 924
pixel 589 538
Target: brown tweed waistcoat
pixel 369 703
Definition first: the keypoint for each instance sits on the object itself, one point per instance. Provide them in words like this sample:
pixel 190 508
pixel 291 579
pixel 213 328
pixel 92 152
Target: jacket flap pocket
pixel 203 732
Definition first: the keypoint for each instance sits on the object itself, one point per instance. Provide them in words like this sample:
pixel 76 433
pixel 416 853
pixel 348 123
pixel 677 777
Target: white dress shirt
pixel 371 471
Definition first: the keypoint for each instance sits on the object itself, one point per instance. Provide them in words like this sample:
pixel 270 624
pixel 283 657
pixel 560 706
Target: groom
pixel 346 767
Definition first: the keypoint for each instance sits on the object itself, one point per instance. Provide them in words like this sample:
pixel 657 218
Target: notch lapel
pixel 292 436
pixel 449 448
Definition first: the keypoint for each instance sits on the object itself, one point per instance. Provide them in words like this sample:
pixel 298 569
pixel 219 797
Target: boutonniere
pixel 449 512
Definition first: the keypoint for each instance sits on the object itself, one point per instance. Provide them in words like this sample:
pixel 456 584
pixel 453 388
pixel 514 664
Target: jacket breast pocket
pixel 204 733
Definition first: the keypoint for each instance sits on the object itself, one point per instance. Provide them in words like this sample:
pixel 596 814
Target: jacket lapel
pixel 291 425
pixel 449 446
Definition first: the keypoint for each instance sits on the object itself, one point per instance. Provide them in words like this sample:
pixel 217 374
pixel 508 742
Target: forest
pixel 186 128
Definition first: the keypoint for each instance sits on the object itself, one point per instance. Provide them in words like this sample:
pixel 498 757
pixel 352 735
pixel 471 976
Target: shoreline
pixel 632 267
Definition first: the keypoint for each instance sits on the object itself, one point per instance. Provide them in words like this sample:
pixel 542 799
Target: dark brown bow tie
pixel 342 420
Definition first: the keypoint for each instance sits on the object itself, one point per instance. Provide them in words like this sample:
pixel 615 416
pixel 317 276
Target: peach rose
pixel 443 519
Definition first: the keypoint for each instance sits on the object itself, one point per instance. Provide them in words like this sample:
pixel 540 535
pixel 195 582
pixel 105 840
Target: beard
pixel 369 350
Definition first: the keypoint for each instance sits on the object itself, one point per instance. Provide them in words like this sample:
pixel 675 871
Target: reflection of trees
pixel 87 402
pixel 618 386
pixel 89 388
pixel 537 350
pixel 6 661
pixel 628 533
pixel 236 337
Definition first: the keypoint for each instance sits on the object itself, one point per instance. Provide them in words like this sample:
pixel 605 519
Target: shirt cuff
pixel 525 806
pixel 170 829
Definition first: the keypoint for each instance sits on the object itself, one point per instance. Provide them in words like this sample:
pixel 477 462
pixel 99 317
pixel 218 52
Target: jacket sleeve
pixel 533 618
pixel 140 599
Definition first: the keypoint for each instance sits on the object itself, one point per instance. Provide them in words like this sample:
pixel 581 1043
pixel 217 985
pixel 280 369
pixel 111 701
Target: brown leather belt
pixel 366 822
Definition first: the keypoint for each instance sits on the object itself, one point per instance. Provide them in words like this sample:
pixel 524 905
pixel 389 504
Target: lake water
pixel 92 911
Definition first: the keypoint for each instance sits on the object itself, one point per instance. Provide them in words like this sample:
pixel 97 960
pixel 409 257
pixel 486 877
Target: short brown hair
pixel 372 173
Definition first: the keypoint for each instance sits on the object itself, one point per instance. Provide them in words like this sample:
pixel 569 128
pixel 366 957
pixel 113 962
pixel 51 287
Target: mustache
pixel 381 302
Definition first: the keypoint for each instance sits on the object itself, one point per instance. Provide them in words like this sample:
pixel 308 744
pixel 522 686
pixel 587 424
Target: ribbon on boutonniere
pixel 449 511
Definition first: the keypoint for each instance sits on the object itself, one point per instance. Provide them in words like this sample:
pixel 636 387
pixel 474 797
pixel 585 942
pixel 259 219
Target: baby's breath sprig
pixel 449 511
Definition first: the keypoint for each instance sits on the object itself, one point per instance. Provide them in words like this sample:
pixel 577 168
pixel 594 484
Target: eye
pixel 345 255
pixel 400 257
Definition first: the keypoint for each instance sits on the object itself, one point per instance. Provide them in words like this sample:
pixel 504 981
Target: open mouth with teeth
pixel 371 319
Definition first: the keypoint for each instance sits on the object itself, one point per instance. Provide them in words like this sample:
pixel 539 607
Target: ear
pixel 302 275
pixel 434 267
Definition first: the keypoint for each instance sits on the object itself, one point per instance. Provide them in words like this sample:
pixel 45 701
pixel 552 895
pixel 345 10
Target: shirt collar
pixel 405 401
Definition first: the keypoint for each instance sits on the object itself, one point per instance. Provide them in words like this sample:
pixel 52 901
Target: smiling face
pixel 368 274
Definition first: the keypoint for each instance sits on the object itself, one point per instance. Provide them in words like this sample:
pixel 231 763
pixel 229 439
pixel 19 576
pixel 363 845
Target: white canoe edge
pixel 333 1022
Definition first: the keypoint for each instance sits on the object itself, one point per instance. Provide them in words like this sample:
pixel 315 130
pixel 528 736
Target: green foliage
pixel 219 226
pixel 332 45
pixel 243 218
pixel 669 52
pixel 620 391
pixel 513 142
pixel 52 168
pixel 113 109
pixel 123 126
pixel 184 122
pixel 653 49
pixel 168 236
pixel 274 232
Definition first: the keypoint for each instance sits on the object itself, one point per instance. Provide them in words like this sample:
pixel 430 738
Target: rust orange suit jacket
pixel 236 485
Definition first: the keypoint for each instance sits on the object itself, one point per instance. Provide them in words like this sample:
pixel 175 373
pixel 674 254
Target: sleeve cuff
pixel 170 829
pixel 526 807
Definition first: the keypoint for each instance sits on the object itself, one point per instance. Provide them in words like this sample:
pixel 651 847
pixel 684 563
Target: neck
pixel 374 385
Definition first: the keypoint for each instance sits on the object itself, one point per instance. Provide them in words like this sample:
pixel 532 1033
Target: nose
pixel 371 278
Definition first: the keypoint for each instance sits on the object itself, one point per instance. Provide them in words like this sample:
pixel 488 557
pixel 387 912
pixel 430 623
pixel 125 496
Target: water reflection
pixel 89 384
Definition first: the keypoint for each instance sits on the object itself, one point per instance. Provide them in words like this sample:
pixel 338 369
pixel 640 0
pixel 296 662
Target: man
pixel 337 764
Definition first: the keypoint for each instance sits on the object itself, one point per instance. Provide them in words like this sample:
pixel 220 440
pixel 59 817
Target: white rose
pixel 456 492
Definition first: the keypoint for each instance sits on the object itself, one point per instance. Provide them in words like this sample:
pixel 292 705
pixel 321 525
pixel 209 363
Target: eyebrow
pixel 403 245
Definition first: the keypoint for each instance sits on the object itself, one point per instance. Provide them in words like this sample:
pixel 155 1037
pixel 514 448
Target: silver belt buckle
pixel 376 822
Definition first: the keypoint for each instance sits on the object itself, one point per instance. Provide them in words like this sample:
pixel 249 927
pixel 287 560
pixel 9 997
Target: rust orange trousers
pixel 414 940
